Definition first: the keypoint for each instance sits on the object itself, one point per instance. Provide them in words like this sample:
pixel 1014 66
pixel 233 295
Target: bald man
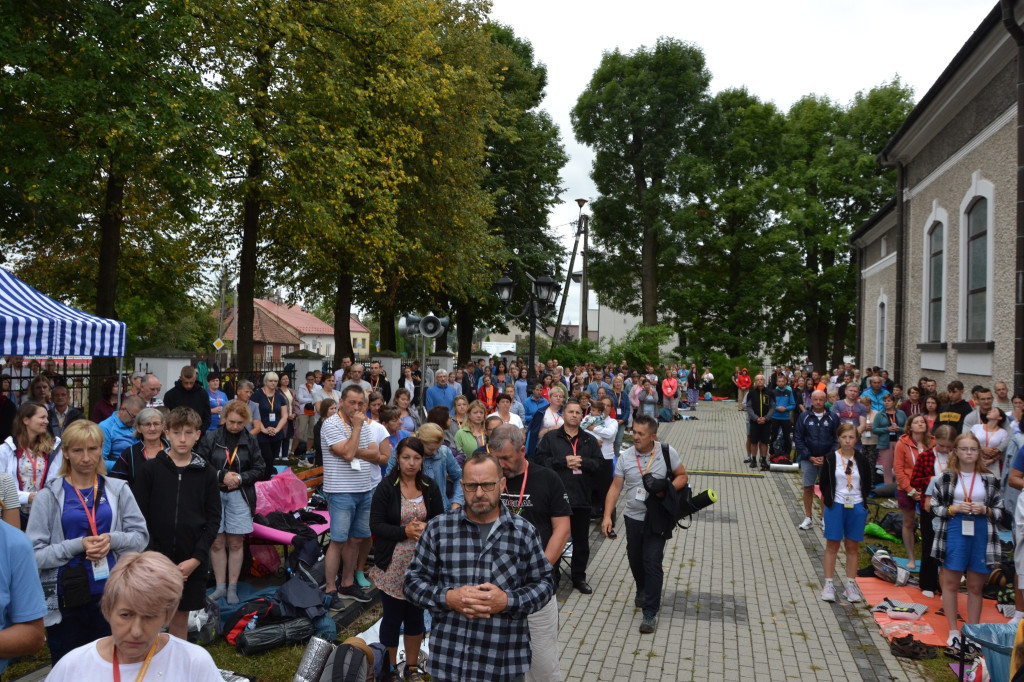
pixel 814 436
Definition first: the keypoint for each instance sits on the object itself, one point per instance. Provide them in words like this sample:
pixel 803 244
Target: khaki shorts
pixel 304 427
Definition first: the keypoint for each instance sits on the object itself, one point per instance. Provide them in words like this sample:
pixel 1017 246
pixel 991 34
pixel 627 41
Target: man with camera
pixel 642 472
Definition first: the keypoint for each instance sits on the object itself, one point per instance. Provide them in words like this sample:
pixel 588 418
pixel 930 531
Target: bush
pixel 722 366
pixel 641 346
pixel 574 353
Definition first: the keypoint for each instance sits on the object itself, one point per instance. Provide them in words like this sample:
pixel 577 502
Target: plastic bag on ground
pixel 285 492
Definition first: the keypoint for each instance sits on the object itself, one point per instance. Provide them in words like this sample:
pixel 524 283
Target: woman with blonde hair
pixel 968 504
pixel 141 597
pixel 553 415
pixel 81 523
pixel 30 455
pixel 473 434
pixel 273 416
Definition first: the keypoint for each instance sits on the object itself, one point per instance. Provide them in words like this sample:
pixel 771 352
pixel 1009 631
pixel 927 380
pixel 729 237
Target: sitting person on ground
pixel 236 457
pixel 402 505
pixel 845 483
pixel 179 496
pixel 81 523
pixel 141 598
pixel 968 504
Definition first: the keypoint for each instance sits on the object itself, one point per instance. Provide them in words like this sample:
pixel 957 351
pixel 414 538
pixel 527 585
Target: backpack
pixel 888 570
pixel 352 661
pixel 257 611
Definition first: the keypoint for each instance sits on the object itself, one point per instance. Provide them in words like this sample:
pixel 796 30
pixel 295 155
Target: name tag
pixel 967 528
pixel 356 466
pixel 577 472
pixel 100 569
pixel 849 505
pixel 641 494
pixel 272 418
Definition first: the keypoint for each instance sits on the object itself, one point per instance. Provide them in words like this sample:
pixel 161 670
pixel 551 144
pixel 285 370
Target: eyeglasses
pixel 487 486
pixel 129 413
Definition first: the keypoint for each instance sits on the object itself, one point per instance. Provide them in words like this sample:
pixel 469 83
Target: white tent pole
pixel 120 373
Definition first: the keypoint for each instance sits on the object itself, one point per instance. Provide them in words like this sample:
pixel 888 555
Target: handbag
pixel 74 583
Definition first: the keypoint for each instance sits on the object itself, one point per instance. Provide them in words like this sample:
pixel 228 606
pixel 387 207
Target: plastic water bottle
pixel 252 623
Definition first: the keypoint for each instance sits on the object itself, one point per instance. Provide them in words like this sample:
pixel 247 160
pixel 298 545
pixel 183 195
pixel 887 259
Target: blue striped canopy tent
pixel 34 324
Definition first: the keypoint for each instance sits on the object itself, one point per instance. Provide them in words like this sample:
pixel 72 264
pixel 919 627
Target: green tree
pixel 104 138
pixel 644 115
pixel 728 242
pixel 829 182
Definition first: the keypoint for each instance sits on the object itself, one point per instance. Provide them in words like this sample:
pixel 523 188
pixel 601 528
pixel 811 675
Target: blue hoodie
pixel 783 398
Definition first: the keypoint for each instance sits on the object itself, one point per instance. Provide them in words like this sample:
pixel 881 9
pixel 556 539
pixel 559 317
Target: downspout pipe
pixel 901 265
pixel 1017 33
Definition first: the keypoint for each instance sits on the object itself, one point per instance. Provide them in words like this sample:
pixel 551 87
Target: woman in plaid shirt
pixel 968 505
pixel 929 465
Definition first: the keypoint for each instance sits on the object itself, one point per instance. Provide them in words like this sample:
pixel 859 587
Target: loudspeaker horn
pixel 432 326
pixel 409 326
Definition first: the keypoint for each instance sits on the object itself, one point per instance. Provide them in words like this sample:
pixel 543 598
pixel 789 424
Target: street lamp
pixel 543 294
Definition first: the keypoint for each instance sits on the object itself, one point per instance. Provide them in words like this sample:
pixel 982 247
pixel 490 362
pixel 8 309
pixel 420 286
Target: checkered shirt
pixel 449 555
pixel 943 498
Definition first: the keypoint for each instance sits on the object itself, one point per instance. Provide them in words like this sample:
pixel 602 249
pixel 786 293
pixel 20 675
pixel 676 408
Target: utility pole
pixel 568 276
pixel 585 282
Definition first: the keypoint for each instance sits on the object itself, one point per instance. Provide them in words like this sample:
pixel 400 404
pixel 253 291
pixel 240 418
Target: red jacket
pixel 743 381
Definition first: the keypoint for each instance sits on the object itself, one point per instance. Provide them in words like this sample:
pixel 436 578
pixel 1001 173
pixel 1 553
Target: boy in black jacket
pixel 178 494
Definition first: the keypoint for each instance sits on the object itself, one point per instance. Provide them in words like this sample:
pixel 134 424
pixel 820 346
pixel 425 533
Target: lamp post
pixel 544 292
pixel 572 261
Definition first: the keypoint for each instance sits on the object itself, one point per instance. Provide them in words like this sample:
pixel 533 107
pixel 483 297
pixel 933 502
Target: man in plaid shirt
pixel 481 571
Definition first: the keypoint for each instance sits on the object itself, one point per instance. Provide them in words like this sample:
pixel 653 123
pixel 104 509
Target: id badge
pixel 272 418
pixel 849 505
pixel 577 472
pixel 967 528
pixel 641 494
pixel 356 466
pixel 100 569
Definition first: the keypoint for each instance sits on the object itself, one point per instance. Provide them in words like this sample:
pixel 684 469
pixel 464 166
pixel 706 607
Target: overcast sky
pixel 779 50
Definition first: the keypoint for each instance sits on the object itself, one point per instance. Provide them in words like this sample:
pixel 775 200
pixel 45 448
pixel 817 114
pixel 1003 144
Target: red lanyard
pixel 519 505
pixel 145 663
pixel 95 503
pixel 231 457
pixel 850 410
pixel 34 461
pixel 968 493
pixel 574 443
pixel 554 416
pixel 216 396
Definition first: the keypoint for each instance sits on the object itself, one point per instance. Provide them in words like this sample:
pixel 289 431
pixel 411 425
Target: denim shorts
pixel 350 515
pixel 841 522
pixel 808 473
pixel 966 552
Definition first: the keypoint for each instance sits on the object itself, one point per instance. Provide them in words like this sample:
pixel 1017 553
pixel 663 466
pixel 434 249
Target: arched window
pixel 934 283
pixel 977 270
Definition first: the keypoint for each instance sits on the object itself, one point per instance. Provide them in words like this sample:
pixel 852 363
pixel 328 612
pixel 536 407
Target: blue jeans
pixel 645 552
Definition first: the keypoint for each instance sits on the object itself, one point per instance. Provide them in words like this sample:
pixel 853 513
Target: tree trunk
pixel 649 277
pixel 252 209
pixel 342 313
pixel 464 330
pixel 109 260
pixel 839 341
pixel 388 340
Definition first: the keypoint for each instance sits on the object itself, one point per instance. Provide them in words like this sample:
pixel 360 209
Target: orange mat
pixel 875 590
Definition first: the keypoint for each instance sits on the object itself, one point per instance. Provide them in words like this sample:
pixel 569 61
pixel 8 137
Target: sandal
pixel 970 650
pixel 908 647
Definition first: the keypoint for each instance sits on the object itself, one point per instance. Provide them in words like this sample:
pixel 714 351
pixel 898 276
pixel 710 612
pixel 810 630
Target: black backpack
pixel 250 614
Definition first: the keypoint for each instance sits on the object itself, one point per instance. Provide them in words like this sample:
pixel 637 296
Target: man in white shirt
pixel 350 455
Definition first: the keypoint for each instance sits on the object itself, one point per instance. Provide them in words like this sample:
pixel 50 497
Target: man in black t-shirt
pixel 536 493
pixel 956 410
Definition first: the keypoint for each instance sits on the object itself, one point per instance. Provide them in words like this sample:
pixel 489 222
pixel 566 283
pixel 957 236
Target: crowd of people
pixel 499 474
pixel 952 464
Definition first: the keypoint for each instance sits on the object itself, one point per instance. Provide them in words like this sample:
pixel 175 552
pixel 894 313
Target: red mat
pixel 875 590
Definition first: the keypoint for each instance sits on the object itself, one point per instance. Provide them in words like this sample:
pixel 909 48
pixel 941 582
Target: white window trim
pixel 938 215
pixel 881 329
pixel 980 188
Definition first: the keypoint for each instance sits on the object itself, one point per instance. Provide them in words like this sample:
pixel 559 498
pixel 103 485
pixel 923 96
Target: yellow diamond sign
pixel 218 344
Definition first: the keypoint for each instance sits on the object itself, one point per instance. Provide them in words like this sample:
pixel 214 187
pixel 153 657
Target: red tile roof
pixel 265 329
pixel 300 321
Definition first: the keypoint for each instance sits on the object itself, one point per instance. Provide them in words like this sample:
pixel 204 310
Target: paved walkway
pixel 742 586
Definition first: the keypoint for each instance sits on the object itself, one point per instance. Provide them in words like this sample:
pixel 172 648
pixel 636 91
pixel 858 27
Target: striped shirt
pixel 340 476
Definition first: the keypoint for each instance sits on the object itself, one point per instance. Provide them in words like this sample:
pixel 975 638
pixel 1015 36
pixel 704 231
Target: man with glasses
pixel 481 571
pixel 119 429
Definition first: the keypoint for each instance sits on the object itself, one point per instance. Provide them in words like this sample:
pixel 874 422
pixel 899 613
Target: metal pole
pixel 568 276
pixel 531 372
pixel 585 282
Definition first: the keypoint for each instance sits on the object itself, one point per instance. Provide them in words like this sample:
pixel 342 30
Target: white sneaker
pixel 821 522
pixel 928 593
pixel 807 523
pixel 889 503
pixel 852 593
pixel 828 593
